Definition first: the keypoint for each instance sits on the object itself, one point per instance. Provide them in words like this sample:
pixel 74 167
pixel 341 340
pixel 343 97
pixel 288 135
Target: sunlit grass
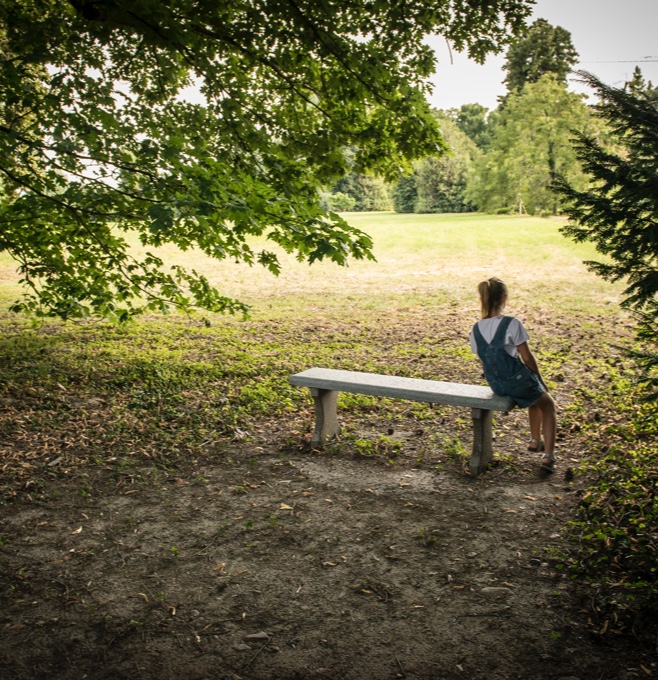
pixel 427 260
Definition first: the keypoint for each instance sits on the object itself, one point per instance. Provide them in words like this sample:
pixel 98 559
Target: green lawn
pixel 428 260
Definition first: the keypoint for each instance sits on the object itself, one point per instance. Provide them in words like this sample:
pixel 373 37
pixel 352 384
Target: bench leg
pixel 482 445
pixel 326 418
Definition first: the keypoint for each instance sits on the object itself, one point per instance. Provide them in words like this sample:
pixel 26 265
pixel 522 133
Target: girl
pixel 498 340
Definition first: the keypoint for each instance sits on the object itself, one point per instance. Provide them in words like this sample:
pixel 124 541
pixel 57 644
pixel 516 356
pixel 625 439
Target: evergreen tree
pixel 541 49
pixel 638 85
pixel 405 194
pixel 618 212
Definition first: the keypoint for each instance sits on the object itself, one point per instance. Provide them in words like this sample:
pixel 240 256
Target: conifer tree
pixel 542 48
pixel 619 211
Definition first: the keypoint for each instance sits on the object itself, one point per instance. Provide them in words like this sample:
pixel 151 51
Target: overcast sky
pixel 624 32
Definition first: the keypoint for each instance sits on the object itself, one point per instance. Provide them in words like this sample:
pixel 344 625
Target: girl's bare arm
pixel 529 360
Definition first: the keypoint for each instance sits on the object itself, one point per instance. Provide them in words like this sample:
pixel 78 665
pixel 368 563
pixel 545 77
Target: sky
pixel 611 37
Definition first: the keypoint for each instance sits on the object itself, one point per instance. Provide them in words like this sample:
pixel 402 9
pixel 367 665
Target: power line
pixel 623 61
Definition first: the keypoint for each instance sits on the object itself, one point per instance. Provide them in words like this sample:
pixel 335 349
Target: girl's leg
pixel 534 418
pixel 546 406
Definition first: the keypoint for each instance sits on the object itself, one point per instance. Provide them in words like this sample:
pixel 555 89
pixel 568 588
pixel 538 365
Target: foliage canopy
pixel 98 140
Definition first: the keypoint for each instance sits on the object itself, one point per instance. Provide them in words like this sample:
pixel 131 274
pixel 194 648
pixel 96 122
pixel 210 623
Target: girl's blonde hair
pixel 492 296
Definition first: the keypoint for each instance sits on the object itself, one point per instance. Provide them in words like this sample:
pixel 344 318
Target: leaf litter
pixel 387 563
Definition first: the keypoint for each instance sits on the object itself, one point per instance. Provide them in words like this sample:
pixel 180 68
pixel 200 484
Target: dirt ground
pixel 292 563
pixel 270 560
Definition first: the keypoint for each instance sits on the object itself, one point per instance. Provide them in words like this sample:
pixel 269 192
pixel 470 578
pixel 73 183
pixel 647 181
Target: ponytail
pixel 492 293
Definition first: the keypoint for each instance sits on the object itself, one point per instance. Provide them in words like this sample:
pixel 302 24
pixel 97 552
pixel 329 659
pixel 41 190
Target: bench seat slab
pixel 397 387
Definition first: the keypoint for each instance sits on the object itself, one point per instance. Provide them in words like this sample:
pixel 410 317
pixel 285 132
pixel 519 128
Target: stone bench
pixel 326 383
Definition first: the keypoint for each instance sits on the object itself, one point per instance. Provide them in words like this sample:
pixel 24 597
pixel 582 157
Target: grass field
pixel 428 260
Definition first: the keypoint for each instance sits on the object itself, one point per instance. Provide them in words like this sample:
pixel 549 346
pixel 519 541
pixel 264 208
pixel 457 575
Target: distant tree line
pixel 499 161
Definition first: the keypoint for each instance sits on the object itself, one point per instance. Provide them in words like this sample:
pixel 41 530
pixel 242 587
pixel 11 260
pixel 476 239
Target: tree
pixel 437 183
pixel 541 49
pixel 337 202
pixel 618 211
pixel 471 119
pixel 97 137
pixel 441 180
pixel 405 194
pixel 369 193
pixel 532 141
pixel 638 85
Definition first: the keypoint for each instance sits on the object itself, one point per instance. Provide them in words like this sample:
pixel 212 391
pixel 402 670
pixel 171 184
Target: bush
pixel 615 533
pixel 339 202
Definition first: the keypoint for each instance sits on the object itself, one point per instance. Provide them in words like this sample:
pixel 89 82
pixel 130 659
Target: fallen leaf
pixel 220 567
pixel 283 506
pixel 329 564
pixel 77 531
pixel 257 636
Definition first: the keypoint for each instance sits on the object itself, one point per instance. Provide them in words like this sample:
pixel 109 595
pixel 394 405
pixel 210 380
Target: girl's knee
pixel 546 402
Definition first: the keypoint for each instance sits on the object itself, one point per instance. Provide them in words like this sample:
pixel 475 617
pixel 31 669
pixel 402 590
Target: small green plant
pixel 428 537
pixel 174 551
pixel 364 447
pixel 454 449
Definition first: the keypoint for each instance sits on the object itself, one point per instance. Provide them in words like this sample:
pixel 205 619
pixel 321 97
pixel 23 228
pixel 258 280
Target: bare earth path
pixel 301 566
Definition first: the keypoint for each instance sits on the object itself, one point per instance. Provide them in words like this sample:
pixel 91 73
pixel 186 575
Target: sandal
pixel 536 445
pixel 548 463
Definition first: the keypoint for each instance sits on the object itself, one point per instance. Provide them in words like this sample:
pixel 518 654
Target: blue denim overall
pixel 507 376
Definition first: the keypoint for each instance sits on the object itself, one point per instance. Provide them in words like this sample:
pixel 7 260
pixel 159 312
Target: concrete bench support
pixel 326 416
pixel 482 444
pixel 325 384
